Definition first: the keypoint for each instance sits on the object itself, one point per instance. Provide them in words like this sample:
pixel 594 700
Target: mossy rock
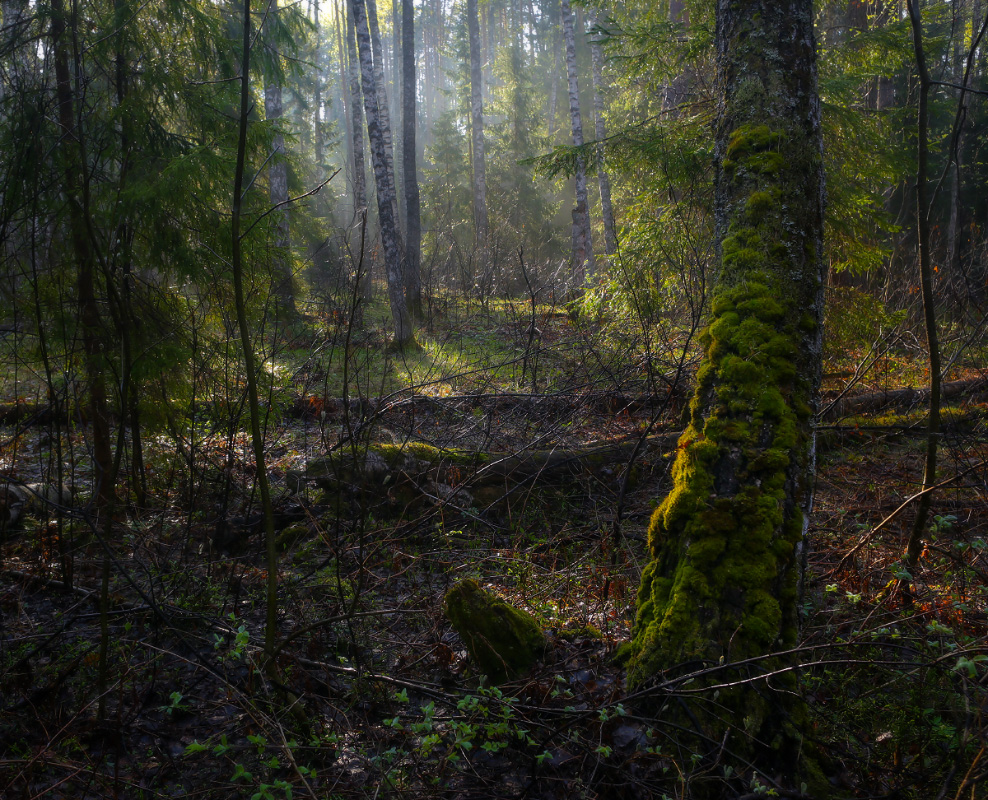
pixel 502 640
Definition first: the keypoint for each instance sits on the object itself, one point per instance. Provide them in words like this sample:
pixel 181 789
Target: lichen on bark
pixel 721 584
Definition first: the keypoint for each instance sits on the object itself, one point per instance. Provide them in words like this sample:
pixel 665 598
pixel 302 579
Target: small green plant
pixel 175 704
pixel 239 645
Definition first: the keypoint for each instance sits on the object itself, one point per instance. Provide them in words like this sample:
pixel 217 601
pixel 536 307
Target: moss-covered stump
pixel 502 640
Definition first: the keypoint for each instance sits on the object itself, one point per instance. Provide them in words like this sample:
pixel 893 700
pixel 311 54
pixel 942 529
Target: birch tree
pixel 384 119
pixel 477 130
pixel 582 266
pixel 386 203
pixel 600 132
pixel 413 223
pixel 356 132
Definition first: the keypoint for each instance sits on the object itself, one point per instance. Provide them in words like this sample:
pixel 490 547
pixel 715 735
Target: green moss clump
pixel 503 641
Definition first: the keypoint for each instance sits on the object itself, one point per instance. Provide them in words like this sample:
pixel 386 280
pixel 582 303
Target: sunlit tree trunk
pixel 317 131
pixel 413 223
pixel 554 91
pixel 722 581
pixel 359 189
pixel 278 192
pixel 582 267
pixel 600 132
pixel 386 203
pixel 395 109
pixel 678 89
pixel 384 119
pixel 477 130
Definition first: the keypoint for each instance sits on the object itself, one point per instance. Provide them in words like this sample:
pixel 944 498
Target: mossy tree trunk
pixel 721 585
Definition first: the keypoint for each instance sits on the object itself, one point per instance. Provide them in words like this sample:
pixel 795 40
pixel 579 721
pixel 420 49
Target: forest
pixel 494 399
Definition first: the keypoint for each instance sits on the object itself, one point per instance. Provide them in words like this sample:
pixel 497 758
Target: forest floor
pixel 163 693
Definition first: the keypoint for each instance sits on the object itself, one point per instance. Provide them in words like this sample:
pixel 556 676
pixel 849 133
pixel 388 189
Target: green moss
pixel 712 554
pixel 751 139
pixel 502 640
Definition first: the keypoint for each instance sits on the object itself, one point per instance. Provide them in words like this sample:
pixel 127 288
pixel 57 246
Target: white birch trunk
pixel 356 121
pixel 413 222
pixel 386 202
pixel 600 132
pixel 582 267
pixel 477 132
pixel 382 103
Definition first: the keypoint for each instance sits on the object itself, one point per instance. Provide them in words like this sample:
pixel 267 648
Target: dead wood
pixel 456 469
pixel 900 398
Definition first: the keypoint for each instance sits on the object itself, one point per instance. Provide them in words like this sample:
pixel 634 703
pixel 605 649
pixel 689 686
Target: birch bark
pixel 359 179
pixel 413 223
pixel 582 266
pixel 600 132
pixel 386 203
pixel 384 120
pixel 477 131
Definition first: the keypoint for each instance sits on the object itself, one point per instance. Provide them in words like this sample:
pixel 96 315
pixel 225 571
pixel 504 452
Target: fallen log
pixel 381 465
pixel 899 398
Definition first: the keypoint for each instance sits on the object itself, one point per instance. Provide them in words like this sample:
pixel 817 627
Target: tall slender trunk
pixel 317 142
pixel 404 335
pixel 261 474
pixel 600 132
pixel 73 163
pixel 914 546
pixel 477 133
pixel 278 186
pixel 554 86
pixel 356 119
pixel 582 266
pixel 396 109
pixel 126 317
pixel 384 120
pixel 413 221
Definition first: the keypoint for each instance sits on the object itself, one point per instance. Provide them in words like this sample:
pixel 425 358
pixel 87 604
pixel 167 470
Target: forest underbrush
pixel 522 447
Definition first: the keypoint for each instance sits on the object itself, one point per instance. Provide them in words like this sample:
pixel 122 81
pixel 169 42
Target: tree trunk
pixel 553 92
pixel 914 546
pixel 477 132
pixel 11 32
pixel 278 192
pixel 356 120
pixel 395 110
pixel 413 222
pixel 600 132
pixel 386 203
pixel 382 105
pixel 725 543
pixel 582 266
pixel 257 439
pixel 73 163
pixel 317 144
